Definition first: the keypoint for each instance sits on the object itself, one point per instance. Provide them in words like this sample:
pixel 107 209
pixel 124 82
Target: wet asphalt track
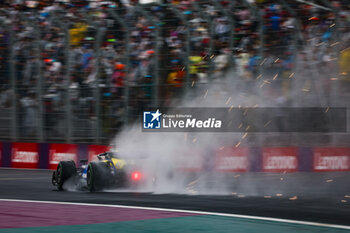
pixel 326 208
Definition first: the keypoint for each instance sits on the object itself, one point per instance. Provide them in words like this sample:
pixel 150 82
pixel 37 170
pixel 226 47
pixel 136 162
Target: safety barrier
pixel 44 155
pixel 226 160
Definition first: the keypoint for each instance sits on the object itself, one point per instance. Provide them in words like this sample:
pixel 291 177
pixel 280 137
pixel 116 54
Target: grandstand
pixel 78 71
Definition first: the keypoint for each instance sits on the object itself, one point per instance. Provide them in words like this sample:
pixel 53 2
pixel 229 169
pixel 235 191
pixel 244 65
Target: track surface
pixel 36 185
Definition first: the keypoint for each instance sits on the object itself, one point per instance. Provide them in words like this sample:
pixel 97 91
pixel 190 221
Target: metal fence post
pixel 232 27
pixel 255 11
pixel 211 41
pixel 68 112
pixel 258 15
pixel 156 67
pixel 67 107
pixel 127 64
pixel 335 83
pixel 187 46
pixel 14 114
pixel 155 92
pixel 39 85
pixel 97 92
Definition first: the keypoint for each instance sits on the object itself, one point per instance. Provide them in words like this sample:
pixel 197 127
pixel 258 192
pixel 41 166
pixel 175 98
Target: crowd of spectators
pixel 62 50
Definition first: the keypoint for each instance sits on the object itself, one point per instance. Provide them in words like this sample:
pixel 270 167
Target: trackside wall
pixel 225 160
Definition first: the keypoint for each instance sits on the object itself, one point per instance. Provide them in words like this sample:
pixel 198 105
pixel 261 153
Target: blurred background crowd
pixel 78 71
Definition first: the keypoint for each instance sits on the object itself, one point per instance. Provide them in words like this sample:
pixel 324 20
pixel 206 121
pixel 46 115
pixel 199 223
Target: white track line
pixel 192 212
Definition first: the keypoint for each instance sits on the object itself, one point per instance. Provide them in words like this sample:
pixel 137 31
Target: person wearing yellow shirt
pixel 344 63
pixel 76 34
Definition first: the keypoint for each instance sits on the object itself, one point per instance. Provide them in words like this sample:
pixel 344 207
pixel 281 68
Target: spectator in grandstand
pixel 222 29
pixel 318 43
pixel 118 79
pixel 221 62
pixel 6 95
pixel 29 117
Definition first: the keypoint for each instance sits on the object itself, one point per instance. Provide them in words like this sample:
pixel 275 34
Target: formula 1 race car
pixel 108 171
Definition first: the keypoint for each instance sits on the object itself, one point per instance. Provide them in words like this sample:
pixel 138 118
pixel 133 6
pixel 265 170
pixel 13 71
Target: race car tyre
pixel 65 170
pixel 97 176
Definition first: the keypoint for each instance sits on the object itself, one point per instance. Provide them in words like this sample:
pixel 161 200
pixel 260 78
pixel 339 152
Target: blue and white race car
pixel 108 171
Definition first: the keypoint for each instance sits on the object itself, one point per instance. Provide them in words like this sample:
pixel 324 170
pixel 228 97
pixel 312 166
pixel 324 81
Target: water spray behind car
pixel 180 162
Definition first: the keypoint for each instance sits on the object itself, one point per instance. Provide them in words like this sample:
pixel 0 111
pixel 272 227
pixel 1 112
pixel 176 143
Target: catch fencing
pixel 83 78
